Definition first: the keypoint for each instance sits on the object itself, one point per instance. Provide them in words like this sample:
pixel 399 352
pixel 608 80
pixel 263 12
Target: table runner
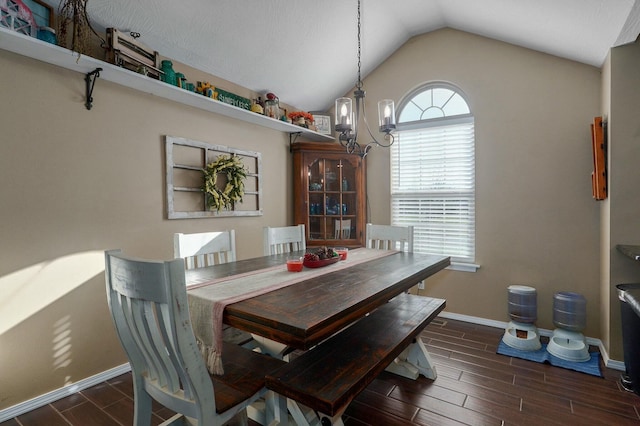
pixel 207 300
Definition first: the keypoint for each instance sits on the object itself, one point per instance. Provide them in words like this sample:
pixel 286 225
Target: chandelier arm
pixel 375 141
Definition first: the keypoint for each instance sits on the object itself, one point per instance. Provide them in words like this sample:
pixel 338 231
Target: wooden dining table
pixel 312 306
pixel 305 313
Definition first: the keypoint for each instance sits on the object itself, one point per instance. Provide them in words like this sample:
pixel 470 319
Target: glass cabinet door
pixel 332 200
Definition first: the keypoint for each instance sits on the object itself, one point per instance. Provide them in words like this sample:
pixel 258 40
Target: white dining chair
pixel 342 229
pixel 205 248
pixel 284 239
pixel 389 237
pixel 149 308
pixel 278 240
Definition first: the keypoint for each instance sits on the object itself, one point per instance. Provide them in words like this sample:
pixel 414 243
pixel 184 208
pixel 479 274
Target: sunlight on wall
pixel 31 289
pixel 62 345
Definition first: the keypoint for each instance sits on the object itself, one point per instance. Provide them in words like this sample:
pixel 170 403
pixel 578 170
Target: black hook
pixel 90 82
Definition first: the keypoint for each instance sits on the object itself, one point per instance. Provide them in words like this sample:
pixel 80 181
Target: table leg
pixel 276 409
pixel 413 361
pixel 270 347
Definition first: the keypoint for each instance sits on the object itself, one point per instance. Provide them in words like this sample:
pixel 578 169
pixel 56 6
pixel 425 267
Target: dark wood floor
pixel 475 386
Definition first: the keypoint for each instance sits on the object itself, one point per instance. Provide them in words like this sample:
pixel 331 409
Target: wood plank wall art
pixel 185 163
pixel 599 149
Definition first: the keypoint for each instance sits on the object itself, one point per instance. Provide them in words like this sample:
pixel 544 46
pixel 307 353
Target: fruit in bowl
pixel 321 257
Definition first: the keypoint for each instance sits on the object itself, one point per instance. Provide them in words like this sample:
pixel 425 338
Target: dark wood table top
pixel 304 314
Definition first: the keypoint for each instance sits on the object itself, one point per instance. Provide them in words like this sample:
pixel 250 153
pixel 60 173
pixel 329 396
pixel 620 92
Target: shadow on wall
pixel 55 327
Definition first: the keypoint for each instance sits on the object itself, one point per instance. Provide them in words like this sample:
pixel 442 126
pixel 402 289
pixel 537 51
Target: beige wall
pixel 76 182
pixel 537 223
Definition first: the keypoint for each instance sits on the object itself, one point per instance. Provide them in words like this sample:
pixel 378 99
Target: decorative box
pixel 127 52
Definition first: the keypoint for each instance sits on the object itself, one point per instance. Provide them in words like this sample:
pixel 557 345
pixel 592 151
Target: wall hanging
pixel 205 180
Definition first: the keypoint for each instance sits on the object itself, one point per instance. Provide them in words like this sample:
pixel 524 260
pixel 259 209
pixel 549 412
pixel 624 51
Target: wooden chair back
pixel 284 239
pixel 342 229
pixel 389 237
pixel 205 248
pixel 148 304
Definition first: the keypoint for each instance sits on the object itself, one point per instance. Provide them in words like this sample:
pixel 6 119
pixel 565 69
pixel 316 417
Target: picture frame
pixel 42 13
pixel 322 121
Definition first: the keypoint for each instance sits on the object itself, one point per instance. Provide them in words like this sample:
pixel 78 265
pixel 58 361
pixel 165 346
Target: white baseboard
pixel 48 398
pixel 608 362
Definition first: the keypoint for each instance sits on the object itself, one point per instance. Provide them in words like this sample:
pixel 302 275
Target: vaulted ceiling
pixel 305 50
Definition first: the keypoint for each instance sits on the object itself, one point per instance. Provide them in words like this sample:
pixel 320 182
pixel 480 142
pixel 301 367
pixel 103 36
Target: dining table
pixel 301 309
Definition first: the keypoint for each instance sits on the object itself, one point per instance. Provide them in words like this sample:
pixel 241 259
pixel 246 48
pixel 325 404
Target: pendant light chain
pixel 359 83
pixel 348 118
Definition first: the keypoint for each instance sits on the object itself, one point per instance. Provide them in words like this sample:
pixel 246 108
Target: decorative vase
pixel 169 75
pixel 73 20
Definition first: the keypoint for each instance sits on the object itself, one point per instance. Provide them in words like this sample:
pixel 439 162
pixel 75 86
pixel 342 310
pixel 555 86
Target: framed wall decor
pixel 322 121
pixel 186 163
pixel 42 13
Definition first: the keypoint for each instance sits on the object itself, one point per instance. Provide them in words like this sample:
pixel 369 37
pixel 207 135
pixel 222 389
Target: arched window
pixel 433 172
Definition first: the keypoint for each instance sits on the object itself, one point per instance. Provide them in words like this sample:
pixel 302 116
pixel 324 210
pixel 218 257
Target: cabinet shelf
pixel 55 55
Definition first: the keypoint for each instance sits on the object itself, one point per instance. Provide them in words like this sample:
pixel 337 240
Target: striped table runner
pixel 207 300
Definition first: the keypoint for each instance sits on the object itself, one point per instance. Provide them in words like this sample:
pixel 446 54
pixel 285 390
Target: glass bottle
pixel 169 75
pixel 272 108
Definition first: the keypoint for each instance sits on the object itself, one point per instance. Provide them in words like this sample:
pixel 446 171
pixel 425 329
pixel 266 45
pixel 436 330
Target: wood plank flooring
pixel 475 386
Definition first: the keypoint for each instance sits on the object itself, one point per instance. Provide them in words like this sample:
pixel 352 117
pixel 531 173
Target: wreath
pixel 233 169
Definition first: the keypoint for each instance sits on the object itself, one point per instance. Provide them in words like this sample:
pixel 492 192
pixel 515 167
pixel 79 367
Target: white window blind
pixel 433 186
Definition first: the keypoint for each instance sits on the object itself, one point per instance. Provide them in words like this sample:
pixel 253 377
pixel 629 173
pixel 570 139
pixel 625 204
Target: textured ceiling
pixel 305 50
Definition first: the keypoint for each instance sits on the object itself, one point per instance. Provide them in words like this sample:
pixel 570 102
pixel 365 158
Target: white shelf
pixel 56 55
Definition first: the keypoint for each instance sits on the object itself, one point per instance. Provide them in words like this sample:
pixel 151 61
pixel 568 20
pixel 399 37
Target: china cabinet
pixel 330 196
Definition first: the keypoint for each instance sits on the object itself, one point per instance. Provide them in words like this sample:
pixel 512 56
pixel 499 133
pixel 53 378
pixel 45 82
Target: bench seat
pixel 328 377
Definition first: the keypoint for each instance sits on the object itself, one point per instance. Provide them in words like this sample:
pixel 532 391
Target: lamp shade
pixel 386 115
pixel 344 114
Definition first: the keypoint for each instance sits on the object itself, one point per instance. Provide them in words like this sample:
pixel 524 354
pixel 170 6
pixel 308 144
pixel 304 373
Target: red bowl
pixel 320 263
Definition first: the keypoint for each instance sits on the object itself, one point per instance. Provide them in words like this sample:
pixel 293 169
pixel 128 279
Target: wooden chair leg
pixel 142 404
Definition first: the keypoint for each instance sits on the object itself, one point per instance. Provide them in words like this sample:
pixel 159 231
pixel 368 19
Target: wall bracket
pixel 293 137
pixel 90 80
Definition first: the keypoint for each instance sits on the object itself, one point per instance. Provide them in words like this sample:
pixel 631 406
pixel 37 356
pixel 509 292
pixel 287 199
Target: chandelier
pixel 347 119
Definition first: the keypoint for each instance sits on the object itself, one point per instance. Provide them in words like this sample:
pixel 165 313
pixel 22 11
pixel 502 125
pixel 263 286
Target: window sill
pixel 463 267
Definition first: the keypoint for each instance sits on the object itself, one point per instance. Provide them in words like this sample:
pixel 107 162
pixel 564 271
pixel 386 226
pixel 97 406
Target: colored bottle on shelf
pixel 169 75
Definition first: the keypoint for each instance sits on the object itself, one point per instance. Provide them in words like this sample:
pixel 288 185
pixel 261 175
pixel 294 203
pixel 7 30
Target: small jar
pixel 272 108
pixel 47 34
pixel 169 75
pixel 181 80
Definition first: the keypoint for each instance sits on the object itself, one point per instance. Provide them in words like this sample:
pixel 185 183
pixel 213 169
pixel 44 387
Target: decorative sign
pixel 323 123
pixel 231 99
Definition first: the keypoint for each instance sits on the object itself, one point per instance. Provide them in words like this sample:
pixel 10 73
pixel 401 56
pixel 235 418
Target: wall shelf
pixel 59 56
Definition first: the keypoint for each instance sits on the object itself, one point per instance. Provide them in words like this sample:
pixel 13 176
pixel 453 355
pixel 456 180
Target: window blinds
pixel 433 188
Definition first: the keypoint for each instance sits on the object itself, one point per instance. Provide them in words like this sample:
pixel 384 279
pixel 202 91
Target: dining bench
pixel 329 376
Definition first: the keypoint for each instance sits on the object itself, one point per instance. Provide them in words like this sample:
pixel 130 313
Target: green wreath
pixel 232 167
